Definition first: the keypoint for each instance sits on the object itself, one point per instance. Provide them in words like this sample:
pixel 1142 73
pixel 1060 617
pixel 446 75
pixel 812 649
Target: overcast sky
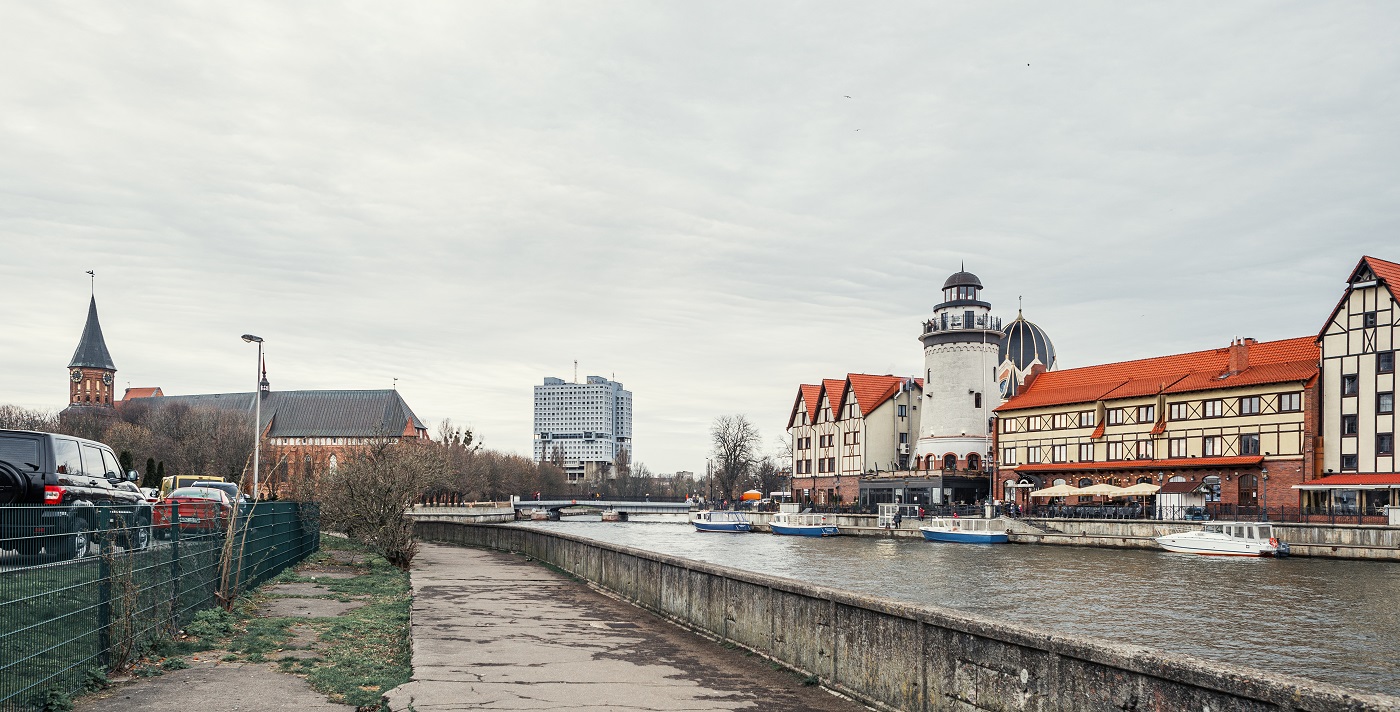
pixel 711 202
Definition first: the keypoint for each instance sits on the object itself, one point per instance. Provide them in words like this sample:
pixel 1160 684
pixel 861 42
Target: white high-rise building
pixel 586 425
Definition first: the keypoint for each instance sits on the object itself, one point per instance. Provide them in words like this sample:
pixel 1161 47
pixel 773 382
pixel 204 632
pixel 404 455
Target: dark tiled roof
pixel 300 414
pixel 92 348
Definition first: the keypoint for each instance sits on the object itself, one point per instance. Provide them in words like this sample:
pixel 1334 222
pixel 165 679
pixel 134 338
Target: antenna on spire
pixel 93 285
pixel 1018 305
pixel 962 265
pixel 575 370
pixel 396 383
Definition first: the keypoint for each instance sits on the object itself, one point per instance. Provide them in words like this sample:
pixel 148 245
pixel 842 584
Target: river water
pixel 1330 620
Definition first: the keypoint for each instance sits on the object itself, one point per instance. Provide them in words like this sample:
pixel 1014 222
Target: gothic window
pixel 950 462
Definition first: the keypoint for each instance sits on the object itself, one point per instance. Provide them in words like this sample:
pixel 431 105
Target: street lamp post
pixel 257 409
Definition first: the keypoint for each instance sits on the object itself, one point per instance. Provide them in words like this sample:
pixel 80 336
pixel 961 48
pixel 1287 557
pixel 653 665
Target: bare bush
pixel 368 496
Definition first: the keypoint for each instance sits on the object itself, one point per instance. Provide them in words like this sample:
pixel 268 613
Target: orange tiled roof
pixel 871 391
pixel 1175 463
pixel 807 395
pixel 1284 361
pixel 142 393
pixel 835 391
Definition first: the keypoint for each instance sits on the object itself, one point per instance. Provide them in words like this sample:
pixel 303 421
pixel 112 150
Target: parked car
pixel 52 489
pixel 201 510
pixel 174 482
pixel 228 488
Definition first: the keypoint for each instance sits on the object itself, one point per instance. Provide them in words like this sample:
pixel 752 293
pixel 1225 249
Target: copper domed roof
pixel 963 279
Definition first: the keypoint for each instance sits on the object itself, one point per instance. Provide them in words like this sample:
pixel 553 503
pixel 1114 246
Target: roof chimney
pixel 1239 355
pixel 1034 373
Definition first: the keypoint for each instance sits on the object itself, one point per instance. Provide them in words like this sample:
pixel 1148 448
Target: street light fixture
pixel 257 409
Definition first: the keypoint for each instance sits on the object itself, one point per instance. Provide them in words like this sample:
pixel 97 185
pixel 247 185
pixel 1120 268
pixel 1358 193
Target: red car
pixel 203 510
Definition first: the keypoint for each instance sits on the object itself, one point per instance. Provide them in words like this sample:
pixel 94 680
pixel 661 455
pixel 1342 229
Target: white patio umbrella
pixel 1056 491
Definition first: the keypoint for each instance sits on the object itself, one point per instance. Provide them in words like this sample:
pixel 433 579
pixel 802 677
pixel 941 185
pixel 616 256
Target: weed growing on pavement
pixel 360 654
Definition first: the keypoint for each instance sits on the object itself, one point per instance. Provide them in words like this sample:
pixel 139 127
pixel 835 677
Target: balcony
pixel 958 322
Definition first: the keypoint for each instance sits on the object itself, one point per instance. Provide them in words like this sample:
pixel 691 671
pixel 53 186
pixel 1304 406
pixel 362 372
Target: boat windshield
pixel 1266 531
pixel 1212 528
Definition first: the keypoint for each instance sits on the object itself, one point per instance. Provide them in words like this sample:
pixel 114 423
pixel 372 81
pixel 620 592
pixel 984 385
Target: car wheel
pixel 29 548
pixel 139 539
pixel 76 544
pixel 162 534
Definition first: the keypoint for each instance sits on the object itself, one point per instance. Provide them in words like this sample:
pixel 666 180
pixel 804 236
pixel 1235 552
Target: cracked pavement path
pixel 495 631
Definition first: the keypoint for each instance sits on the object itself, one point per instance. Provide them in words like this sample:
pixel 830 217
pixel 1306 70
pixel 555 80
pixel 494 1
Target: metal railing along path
pixel 78 599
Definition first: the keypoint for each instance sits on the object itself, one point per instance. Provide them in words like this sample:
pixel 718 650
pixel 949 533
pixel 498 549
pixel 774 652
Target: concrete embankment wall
pixel 1345 541
pixel 905 657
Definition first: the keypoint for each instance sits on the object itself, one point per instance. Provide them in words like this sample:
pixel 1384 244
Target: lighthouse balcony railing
pixel 951 322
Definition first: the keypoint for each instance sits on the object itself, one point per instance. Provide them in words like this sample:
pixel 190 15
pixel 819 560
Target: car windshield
pixel 198 493
pixel 23 452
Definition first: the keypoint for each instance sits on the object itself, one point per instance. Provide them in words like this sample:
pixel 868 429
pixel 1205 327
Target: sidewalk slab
pixel 495 631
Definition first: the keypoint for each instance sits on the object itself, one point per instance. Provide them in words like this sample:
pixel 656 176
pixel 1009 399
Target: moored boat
pixel 721 521
pixel 1227 539
pixel 795 524
pixel 965 530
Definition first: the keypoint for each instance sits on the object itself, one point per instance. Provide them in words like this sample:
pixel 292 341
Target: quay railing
pixel 84 594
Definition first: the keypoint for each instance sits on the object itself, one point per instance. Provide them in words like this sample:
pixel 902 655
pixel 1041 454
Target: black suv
pixel 51 489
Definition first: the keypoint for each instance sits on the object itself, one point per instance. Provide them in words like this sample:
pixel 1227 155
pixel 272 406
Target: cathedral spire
pixel 92 348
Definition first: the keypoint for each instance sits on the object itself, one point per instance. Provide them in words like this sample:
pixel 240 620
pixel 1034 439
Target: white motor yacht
pixel 1227 539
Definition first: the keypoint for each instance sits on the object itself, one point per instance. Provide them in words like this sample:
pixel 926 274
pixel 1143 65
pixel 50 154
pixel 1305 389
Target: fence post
pixel 104 586
pixel 174 521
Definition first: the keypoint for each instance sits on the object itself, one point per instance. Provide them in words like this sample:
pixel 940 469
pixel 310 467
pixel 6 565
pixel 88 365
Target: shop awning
pixel 1353 482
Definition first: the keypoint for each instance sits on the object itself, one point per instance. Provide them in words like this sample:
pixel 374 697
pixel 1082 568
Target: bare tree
pixel 368 496
pixel 735 440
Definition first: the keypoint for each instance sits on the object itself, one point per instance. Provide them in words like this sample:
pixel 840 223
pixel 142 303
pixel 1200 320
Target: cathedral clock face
pixel 107 378
pixel 76 375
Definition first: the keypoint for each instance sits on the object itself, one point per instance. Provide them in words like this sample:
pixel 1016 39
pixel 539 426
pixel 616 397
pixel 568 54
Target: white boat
pixel 965 530
pixel 795 524
pixel 721 521
pixel 1227 539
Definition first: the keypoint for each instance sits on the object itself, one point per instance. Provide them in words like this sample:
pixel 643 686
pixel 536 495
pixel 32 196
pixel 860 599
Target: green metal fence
pixel 71 606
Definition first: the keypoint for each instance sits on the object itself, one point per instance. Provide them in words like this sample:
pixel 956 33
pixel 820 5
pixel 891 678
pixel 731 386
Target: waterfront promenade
pixel 497 631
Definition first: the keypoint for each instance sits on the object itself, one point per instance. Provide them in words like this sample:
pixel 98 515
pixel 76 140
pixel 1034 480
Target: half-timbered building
pixel 1237 424
pixel 1358 345
pixel 843 428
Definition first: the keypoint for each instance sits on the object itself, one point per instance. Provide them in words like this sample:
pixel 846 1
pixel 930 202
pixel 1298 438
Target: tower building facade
pixel 962 348
pixel 584 427
pixel 91 373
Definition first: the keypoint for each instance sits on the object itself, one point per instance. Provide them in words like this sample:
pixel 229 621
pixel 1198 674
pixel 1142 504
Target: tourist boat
pixel 1227 539
pixel 966 530
pixel 794 524
pixel 721 521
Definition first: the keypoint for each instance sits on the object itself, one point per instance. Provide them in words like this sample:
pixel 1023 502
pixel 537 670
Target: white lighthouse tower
pixel 961 352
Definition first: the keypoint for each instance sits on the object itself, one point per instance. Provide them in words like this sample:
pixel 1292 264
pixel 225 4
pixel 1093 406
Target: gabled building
pixel 843 428
pixel 1358 345
pixel 1237 423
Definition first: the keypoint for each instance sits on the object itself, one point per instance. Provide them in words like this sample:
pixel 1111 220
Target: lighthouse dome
pixel 962 279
